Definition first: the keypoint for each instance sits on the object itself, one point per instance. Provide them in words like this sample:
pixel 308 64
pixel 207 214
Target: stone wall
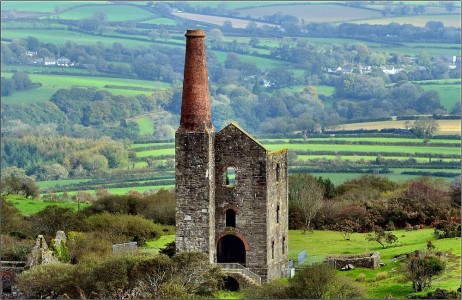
pixel 367 260
pixel 234 148
pixel 8 274
pixel 278 212
pixel 194 164
pixel 259 198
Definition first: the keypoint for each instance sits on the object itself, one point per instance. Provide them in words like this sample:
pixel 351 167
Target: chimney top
pixel 195 104
pixel 194 33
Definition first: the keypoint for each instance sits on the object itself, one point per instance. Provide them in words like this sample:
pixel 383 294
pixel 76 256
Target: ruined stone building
pixel 232 200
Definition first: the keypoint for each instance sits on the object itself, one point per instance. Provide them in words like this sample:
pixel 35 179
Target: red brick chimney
pixel 195 106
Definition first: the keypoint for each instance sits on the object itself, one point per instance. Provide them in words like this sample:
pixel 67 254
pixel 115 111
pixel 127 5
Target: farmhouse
pixel 232 200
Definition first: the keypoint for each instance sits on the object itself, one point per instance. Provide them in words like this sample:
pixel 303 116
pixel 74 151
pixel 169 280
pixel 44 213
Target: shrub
pixel 276 289
pixel 420 268
pixel 47 281
pixel 381 276
pixel 116 226
pixel 14 248
pixel 361 277
pixel 447 229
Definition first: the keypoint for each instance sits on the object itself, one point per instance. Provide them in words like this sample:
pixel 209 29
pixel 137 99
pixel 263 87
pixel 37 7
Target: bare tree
pixel 307 195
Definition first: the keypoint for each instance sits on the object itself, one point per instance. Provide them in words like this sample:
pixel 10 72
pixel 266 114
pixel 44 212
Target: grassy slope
pixel 31 206
pixel 146 126
pixel 420 20
pixel 52 83
pixel 449 94
pixel 321 243
pixel 113 12
pixel 314 12
pixel 446 126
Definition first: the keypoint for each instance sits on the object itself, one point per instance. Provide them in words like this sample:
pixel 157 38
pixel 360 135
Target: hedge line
pixel 399 154
pixel 436 174
pixel 343 142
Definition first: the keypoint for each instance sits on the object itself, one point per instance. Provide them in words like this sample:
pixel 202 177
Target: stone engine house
pixel 232 199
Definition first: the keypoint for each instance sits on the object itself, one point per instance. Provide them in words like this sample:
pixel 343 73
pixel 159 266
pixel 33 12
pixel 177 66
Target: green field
pixel 449 94
pixel 146 125
pixel 314 12
pixel 31 206
pixel 261 62
pixel 62 182
pixel 117 12
pixel 161 21
pixel 445 126
pixel 452 20
pixel 320 244
pixel 366 148
pixel 41 6
pixel 60 37
pixel 52 83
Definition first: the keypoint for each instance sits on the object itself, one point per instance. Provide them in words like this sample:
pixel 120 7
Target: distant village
pixel 410 63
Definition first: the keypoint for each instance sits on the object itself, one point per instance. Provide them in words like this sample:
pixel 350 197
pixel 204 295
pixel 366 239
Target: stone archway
pixel 231 284
pixel 231 249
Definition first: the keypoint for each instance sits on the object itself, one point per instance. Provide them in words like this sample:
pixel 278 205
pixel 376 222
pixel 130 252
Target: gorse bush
pixel 129 275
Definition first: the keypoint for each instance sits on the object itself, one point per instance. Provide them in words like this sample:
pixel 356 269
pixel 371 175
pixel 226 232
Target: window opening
pixel 277 214
pixel 230 176
pixel 230 218
pixel 272 249
pixel 283 244
pixel 278 171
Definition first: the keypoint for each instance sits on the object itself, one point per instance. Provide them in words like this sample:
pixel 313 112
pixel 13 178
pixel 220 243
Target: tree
pixel 420 268
pixel 54 218
pixel 306 194
pixel 449 6
pixel 428 102
pixel 381 237
pixel 425 127
pixel 19 186
pixel 215 36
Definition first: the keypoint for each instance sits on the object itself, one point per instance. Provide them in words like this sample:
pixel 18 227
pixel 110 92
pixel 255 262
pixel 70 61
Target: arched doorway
pixel 230 249
pixel 231 284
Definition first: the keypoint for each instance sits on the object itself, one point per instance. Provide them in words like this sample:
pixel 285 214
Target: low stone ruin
pixel 40 254
pixel 366 260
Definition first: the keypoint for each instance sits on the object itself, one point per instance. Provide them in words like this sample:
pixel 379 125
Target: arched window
pixel 230 176
pixel 230 218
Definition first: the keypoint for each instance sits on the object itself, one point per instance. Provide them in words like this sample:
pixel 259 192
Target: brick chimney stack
pixel 195 106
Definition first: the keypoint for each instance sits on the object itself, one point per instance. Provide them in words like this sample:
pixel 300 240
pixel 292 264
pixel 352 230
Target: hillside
pixel 281 70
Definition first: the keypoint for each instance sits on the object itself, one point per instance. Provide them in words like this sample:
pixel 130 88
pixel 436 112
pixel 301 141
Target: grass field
pixel 146 126
pixel 446 126
pixel 31 206
pixel 217 20
pixel 315 12
pixel 117 12
pixel 62 182
pixel 60 37
pixel 366 148
pixel 52 83
pixel 41 6
pixel 261 62
pixel 449 94
pixel 320 244
pixel 452 20
pixel 161 21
